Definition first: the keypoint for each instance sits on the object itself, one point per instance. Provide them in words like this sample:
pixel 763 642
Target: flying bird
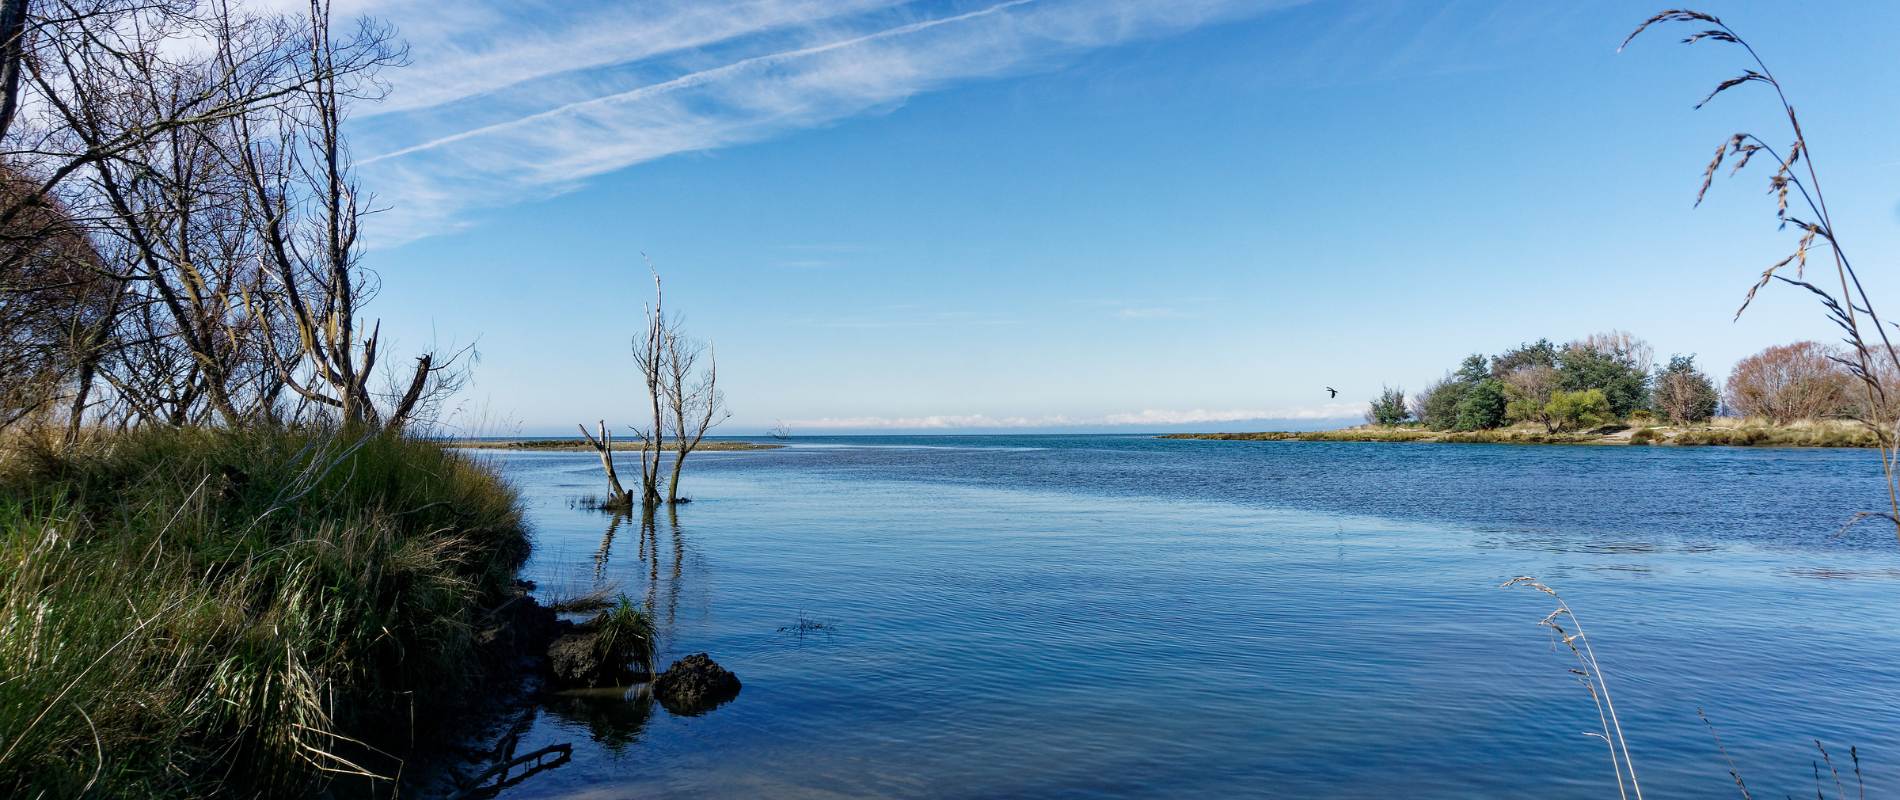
pixel 1331 392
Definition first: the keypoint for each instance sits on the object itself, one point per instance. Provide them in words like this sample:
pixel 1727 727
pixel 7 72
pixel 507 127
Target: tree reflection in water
pixel 647 550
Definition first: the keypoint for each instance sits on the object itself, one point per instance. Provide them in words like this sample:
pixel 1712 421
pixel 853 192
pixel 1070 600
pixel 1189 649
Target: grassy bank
pixel 1730 432
pixel 242 613
pixel 708 445
pixel 1399 434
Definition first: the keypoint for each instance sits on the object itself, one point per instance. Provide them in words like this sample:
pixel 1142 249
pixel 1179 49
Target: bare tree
pixel 307 210
pixel 681 378
pixel 1790 382
pixel 13 33
pixel 198 154
pixel 1623 345
pixel 649 356
pixel 52 298
pixel 693 396
pixel 127 97
pixel 1528 391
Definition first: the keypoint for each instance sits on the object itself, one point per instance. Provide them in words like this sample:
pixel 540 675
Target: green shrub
pixel 1614 363
pixel 1683 393
pixel 1388 408
pixel 1541 353
pixel 1482 406
pixel 1437 406
pixel 1573 410
pixel 1528 387
pixel 1643 436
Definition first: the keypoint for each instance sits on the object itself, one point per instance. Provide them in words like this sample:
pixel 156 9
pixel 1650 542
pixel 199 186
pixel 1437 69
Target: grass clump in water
pixel 238 612
pixel 624 634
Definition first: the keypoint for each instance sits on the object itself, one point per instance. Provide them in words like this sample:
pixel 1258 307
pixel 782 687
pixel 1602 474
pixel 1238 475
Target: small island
pixel 1607 389
pixel 1730 432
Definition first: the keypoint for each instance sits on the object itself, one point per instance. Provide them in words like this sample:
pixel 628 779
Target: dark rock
pixel 694 685
pixel 578 657
pixel 573 660
pixel 520 628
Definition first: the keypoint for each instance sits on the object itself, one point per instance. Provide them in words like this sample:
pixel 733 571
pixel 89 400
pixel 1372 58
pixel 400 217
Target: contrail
pixel 695 79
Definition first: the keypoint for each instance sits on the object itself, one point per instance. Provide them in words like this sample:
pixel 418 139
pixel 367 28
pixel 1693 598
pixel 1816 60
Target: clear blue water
pixel 1120 616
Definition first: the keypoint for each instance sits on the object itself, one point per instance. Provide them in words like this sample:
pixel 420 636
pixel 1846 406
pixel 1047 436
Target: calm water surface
pixel 1110 616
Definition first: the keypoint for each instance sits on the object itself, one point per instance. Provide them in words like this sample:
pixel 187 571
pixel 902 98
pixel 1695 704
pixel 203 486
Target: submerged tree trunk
pixel 650 353
pixel 616 494
pixel 679 461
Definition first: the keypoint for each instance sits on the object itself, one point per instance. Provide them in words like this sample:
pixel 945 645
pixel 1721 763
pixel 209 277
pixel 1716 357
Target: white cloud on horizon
pixel 1146 417
pixel 509 103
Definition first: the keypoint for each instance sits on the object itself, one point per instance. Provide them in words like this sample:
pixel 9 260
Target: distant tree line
pixel 1610 377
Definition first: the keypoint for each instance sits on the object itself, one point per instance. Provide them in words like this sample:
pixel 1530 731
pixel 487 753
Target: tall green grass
pixel 626 631
pixel 239 612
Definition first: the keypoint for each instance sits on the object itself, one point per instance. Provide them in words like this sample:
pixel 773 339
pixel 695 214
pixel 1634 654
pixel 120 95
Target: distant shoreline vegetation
pixel 1718 432
pixel 1607 389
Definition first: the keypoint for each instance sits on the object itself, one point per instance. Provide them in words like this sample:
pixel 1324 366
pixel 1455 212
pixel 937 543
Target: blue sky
pixel 1111 214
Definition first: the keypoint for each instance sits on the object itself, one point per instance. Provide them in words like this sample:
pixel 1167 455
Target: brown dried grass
pixel 1800 203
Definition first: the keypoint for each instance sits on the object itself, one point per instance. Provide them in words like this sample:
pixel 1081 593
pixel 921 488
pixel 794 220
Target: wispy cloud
pixel 1160 312
pixel 1197 416
pixel 932 422
pixel 904 317
pixel 1177 307
pixel 1151 418
pixel 510 102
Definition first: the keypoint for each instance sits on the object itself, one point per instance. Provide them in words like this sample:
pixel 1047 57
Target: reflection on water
pixel 503 766
pixel 648 553
pixel 613 721
pixel 607 547
pixel 1120 617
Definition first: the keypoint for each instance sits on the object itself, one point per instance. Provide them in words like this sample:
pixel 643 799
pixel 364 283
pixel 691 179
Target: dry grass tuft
pixel 1844 300
pixel 1568 629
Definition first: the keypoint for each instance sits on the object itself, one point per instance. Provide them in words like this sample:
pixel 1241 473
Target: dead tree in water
pixel 649 356
pixel 617 496
pixel 682 383
pixel 694 398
